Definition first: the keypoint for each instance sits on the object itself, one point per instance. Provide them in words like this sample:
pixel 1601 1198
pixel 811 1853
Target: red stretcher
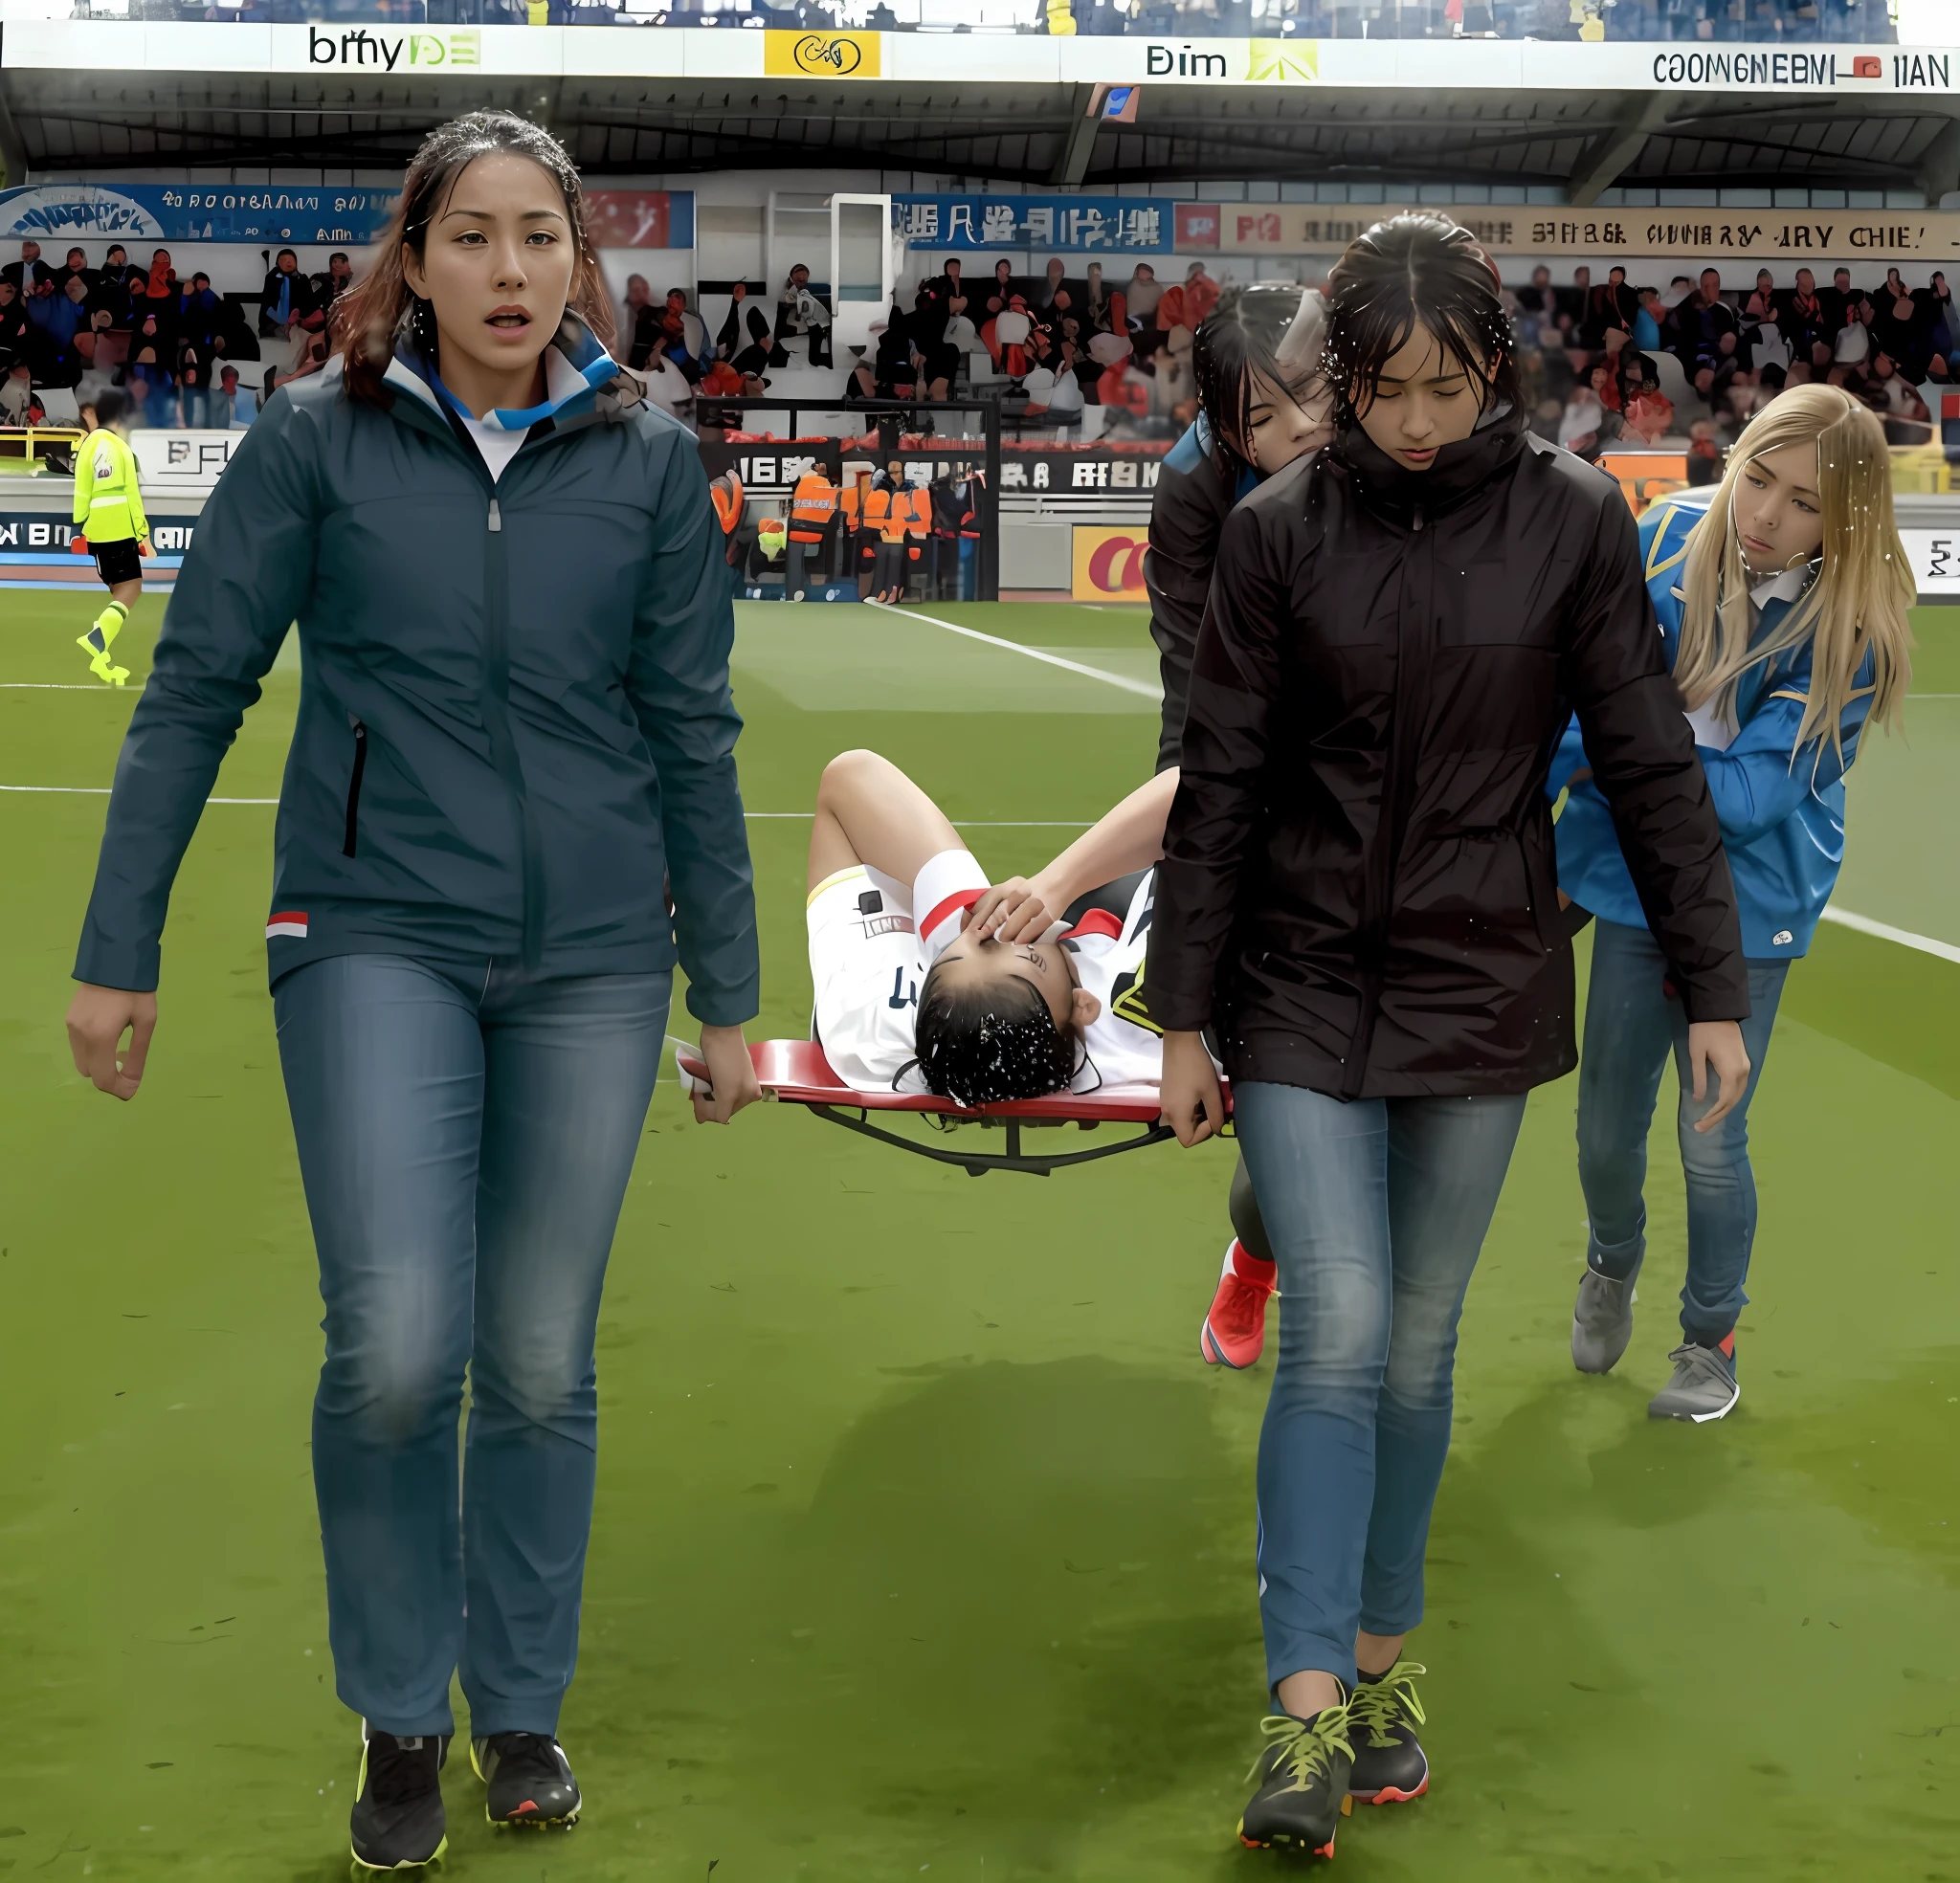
pixel 796 1073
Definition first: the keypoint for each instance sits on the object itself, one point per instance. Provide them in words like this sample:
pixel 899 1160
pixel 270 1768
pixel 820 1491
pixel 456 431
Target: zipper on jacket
pixel 497 723
pixel 359 732
pixel 1414 658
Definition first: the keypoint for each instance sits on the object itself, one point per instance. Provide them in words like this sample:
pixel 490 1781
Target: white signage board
pixel 1692 71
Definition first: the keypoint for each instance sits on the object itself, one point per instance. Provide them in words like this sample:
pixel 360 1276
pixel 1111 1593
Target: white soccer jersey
pixel 867 962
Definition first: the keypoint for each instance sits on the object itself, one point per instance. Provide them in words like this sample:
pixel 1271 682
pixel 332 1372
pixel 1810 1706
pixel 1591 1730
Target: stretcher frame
pixel 796 1073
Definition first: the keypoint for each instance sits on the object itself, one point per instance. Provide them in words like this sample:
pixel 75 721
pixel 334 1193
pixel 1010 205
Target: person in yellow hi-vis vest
pixel 109 522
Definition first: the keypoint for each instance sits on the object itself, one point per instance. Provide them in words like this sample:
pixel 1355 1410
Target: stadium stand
pixel 1782 22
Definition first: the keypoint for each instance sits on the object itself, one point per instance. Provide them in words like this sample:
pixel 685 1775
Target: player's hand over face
pixel 1015 910
pixel 731 1081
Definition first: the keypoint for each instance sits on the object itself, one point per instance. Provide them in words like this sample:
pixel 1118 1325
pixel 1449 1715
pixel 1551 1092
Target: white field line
pixel 1926 944
pixel 1141 687
pixel 1906 938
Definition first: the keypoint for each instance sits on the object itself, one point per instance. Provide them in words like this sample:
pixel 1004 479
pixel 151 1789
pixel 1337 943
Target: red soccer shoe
pixel 1234 1331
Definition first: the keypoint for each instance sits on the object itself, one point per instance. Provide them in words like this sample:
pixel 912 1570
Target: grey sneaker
pixel 1602 1322
pixel 1703 1385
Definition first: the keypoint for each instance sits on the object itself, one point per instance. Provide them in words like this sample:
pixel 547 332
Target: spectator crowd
pixel 1059 342
pixel 176 347
pixel 1607 363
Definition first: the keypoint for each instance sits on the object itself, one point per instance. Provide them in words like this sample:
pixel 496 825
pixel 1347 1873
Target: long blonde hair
pixel 1855 604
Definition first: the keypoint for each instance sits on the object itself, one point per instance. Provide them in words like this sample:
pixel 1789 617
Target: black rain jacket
pixel 1359 888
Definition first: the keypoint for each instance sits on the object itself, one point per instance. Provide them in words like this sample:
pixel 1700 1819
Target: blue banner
pixel 61 212
pixel 1066 225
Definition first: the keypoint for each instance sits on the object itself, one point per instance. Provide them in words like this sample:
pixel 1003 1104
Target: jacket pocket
pixel 359 732
pixel 1541 898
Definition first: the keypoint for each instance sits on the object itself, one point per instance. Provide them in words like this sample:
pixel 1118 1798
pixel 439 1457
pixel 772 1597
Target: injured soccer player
pixel 929 978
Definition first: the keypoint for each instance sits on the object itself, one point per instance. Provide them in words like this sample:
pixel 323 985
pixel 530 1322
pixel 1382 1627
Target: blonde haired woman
pixel 1782 598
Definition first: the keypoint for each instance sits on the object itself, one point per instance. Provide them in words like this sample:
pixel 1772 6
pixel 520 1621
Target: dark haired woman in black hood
pixel 1263 404
pixel 1359 894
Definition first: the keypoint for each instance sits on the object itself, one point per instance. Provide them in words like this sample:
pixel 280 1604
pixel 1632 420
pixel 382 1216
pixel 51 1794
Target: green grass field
pixel 924 1539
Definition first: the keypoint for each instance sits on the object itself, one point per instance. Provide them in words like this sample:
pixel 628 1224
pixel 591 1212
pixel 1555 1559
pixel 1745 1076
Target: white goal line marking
pixel 1141 687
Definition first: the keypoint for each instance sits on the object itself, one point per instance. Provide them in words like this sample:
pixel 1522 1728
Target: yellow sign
pixel 1283 62
pixel 1108 563
pixel 820 54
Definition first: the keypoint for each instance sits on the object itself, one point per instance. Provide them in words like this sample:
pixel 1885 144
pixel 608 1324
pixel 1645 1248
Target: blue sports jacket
pixel 516 741
pixel 1781 807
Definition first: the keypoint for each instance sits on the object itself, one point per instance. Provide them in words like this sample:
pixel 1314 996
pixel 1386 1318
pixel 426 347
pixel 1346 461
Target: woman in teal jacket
pixel 1782 599
pixel 509 808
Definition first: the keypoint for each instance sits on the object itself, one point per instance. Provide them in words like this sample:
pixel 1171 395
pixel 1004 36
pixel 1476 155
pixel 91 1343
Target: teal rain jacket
pixel 1781 805
pixel 515 740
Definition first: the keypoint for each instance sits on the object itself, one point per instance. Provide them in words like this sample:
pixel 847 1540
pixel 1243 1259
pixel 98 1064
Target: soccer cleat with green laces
pixel 1302 1783
pixel 397 1821
pixel 1389 1766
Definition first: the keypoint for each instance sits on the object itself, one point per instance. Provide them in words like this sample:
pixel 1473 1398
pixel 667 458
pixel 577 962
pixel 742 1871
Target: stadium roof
pixel 92 97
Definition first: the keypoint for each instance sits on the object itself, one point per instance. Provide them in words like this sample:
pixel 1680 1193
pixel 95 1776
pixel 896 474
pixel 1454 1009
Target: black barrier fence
pixel 773 464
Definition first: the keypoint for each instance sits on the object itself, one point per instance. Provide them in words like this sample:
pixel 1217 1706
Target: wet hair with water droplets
pixel 984 1043
pixel 1411 271
pixel 1253 334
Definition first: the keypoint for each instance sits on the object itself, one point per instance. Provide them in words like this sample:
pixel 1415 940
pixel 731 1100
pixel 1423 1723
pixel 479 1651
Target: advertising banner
pixel 1067 225
pixel 821 54
pixel 1694 235
pixel 56 214
pixel 1080 472
pixel 1690 71
pixel 771 470
pixel 1935 559
pixel 1107 564
pixel 29 535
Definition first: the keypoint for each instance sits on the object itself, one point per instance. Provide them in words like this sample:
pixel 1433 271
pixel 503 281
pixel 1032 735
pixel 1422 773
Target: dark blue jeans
pixel 465 1149
pixel 1376 1212
pixel 1632 1022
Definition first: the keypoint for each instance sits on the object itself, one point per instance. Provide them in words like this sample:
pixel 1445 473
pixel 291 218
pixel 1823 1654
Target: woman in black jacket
pixel 1263 404
pixel 1359 893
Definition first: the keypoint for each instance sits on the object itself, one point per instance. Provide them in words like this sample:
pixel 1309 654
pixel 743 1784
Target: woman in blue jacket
pixel 1782 601
pixel 509 808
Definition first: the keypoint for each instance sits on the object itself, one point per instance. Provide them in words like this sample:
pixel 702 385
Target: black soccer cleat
pixel 397 1821
pixel 1302 1783
pixel 1389 1766
pixel 529 1779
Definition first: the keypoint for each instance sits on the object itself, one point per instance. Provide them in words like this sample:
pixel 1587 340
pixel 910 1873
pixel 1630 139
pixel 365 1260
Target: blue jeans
pixel 465 1149
pixel 1376 1212
pixel 1632 1020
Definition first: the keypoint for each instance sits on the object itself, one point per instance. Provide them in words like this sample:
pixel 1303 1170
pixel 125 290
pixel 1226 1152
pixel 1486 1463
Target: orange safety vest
pixel 916 508
pixel 811 506
pixel 886 511
pixel 847 506
pixel 730 506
